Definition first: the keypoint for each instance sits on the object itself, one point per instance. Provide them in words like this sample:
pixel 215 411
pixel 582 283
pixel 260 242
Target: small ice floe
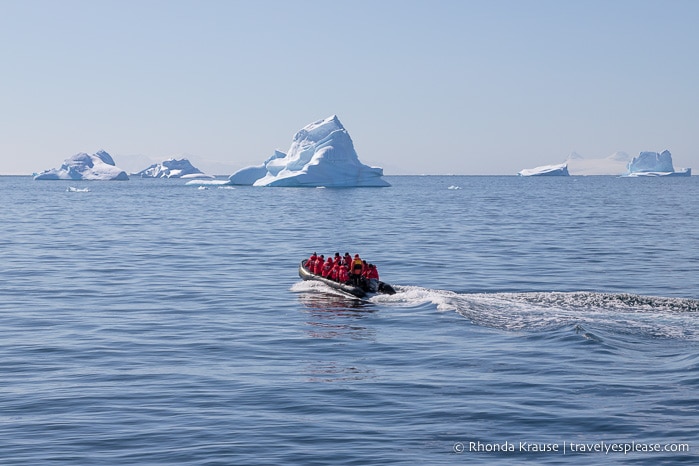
pixel 202 188
pixel 203 182
pixel 454 187
pixel 73 189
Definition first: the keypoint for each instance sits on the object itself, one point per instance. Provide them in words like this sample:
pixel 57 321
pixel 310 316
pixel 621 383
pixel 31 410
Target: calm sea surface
pixel 152 322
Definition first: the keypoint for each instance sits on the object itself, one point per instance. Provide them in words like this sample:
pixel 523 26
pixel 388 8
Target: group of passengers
pixel 344 269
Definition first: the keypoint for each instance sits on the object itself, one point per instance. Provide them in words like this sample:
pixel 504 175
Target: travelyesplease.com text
pixel 570 447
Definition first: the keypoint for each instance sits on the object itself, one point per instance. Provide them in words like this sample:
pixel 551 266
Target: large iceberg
pixel 654 164
pixel 546 170
pixel 82 166
pixel 171 168
pixel 321 154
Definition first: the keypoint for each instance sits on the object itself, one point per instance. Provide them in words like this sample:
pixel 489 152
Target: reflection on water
pixel 334 302
pixel 339 320
pixel 336 317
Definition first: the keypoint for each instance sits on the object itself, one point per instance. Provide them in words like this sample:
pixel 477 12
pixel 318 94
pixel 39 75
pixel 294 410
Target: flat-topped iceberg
pixel 546 170
pixel 98 166
pixel 321 154
pixel 172 168
pixel 654 164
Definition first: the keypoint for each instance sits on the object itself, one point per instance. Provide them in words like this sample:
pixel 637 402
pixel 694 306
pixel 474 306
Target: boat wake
pixel 583 311
pixel 657 317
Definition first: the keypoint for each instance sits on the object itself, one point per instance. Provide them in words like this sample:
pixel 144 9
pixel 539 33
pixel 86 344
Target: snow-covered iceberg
pixel 546 170
pixel 82 166
pixel 654 164
pixel 248 175
pixel 321 154
pixel 172 168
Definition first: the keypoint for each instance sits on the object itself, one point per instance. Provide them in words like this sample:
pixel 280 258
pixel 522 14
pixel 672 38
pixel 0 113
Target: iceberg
pixel 248 176
pixel 654 164
pixel 82 166
pixel 546 170
pixel 321 155
pixel 172 168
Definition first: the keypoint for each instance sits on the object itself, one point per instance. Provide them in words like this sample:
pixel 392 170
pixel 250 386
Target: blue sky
pixel 435 87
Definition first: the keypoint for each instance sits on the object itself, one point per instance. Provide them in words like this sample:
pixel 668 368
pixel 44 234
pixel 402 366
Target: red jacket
pixel 343 275
pixel 335 271
pixel 311 263
pixel 373 272
pixel 327 267
pixel 318 267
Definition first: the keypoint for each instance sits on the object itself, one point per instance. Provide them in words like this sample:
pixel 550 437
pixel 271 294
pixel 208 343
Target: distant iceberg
pixel 172 168
pixel 321 154
pixel 546 170
pixel 99 166
pixel 654 164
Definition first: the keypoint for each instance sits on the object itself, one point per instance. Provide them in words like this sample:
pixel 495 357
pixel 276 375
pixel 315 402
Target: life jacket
pixel 357 265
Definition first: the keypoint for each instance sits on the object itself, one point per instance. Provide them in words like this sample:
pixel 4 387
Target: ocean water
pixel 537 321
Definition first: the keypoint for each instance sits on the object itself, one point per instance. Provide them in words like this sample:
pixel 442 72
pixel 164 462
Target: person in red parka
pixel 327 268
pixel 343 274
pixel 372 276
pixel 311 262
pixel 318 266
pixel 335 271
pixel 372 272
